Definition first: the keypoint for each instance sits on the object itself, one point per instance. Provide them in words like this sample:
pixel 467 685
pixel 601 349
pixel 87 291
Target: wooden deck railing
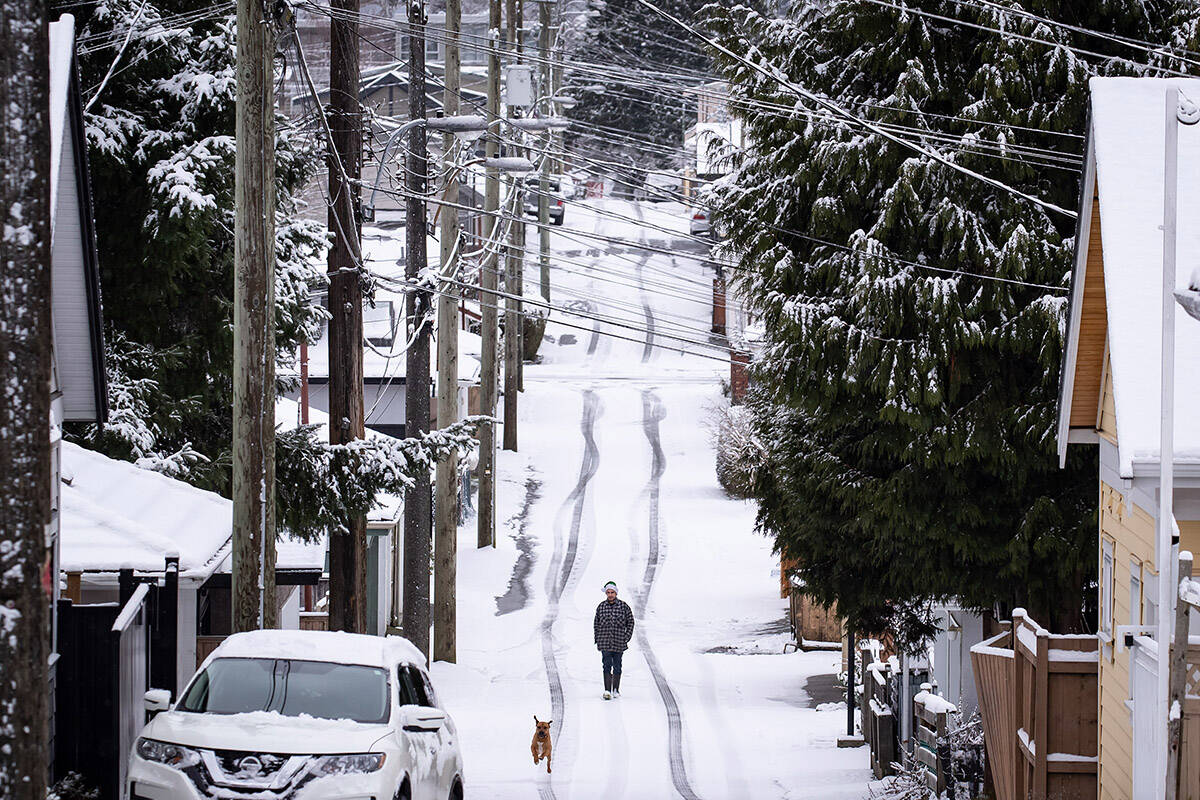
pixel 1189 787
pixel 1037 697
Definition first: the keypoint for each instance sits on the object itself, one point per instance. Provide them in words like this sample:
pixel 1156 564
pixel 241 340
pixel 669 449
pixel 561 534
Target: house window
pixel 1149 598
pixel 379 324
pixel 1135 592
pixel 1106 588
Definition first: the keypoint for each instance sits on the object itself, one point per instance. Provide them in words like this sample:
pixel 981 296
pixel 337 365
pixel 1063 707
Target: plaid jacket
pixel 613 626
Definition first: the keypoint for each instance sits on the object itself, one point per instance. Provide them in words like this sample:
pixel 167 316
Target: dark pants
pixel 611 661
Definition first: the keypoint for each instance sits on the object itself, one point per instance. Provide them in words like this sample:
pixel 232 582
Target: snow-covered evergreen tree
pixel 914 314
pixel 158 81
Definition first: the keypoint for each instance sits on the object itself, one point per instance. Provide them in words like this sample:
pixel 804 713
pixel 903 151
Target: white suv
pixel 275 715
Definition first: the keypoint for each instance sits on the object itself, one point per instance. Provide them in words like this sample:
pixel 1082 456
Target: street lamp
pixel 465 128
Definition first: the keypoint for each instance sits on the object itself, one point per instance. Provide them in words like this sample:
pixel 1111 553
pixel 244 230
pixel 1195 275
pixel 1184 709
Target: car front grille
pixel 239 773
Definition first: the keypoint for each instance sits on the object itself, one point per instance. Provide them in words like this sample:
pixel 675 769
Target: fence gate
pixel 1143 671
pixel 130 636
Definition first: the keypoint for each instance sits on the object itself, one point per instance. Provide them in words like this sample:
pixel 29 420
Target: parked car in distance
pixel 555 192
pixel 700 223
pixel 311 713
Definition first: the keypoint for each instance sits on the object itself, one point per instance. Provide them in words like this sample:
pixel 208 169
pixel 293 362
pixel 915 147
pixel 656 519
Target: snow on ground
pixel 615 481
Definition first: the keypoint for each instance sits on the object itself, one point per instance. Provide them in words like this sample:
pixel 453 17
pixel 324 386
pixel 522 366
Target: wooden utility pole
pixel 445 501
pixel 25 341
pixel 488 297
pixel 254 604
pixel 514 263
pixel 544 87
pixel 418 517
pixel 347 551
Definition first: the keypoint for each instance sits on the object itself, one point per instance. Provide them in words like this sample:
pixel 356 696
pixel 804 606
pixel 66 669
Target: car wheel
pixel 558 220
pixel 404 792
pixel 456 791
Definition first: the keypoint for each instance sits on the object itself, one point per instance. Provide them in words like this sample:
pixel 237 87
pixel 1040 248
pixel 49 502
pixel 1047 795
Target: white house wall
pixel 185 635
pixel 71 309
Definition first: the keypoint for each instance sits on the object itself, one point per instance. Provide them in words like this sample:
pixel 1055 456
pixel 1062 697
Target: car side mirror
pixel 422 718
pixel 156 700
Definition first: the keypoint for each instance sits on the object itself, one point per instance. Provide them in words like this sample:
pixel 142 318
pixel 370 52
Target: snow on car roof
pixel 332 646
pixel 1128 132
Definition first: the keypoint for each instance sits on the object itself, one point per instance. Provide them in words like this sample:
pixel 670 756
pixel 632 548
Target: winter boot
pixel 608 685
pixel 616 684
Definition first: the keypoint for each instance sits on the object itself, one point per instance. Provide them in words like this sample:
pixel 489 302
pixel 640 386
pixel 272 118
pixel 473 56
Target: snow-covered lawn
pixel 615 481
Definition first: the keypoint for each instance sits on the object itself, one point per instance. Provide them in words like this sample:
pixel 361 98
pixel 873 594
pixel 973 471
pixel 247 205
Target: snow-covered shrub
pixel 907 784
pixel 967 758
pixel 72 786
pixel 738 452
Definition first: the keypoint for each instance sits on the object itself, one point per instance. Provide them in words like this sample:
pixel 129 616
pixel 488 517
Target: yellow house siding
pixel 1106 422
pixel 1189 535
pixel 1131 530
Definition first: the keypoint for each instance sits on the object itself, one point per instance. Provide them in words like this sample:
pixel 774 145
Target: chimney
pixel 739 376
pixel 718 307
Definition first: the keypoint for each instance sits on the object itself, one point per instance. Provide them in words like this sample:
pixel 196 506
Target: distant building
pixel 715 136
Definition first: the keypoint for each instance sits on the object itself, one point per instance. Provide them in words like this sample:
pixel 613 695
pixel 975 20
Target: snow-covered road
pixel 615 481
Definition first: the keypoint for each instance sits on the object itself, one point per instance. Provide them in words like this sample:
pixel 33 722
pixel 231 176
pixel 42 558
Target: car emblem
pixel 250 766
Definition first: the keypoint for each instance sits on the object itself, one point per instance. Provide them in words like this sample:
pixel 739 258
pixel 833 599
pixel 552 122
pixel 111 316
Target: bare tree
pixel 24 396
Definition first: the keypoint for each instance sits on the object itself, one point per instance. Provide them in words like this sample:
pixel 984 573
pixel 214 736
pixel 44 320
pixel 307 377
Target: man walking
pixel 613 630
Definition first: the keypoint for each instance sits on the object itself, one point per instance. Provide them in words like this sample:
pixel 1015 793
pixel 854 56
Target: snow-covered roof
pixel 116 515
pixel 1127 143
pixel 290 554
pixel 287 416
pixel 332 646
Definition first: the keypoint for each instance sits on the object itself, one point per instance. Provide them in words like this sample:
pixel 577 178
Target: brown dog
pixel 541 746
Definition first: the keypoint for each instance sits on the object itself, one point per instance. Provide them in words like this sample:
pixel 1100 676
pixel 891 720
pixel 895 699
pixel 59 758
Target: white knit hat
pixel 613 584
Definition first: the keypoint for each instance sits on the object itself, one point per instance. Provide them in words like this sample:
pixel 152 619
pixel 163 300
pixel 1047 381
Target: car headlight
pixel 173 755
pixel 349 764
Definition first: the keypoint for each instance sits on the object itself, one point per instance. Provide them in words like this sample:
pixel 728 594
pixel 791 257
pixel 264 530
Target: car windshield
pixel 316 688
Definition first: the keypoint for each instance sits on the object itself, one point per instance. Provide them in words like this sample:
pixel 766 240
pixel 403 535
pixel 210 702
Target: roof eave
pixel 1066 383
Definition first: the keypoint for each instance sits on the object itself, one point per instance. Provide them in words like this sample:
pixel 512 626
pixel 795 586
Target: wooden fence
pixel 1189 770
pixel 204 647
pixel 314 621
pixel 931 718
pixel 1037 696
pixel 886 699
pixel 879 720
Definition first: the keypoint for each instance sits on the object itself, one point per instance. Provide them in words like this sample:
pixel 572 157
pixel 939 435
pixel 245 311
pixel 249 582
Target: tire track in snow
pixel 648 349
pixel 652 414
pixel 561 567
